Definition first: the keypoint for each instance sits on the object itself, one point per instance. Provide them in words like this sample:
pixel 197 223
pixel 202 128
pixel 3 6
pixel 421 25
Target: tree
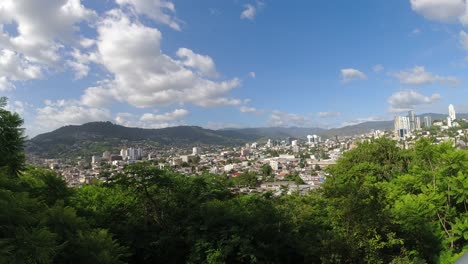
pixel 11 141
pixel 246 179
pixel 267 170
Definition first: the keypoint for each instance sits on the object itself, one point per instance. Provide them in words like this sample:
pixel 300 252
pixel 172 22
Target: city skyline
pixel 232 63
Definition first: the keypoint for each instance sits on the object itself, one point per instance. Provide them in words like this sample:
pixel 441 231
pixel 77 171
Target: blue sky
pixel 231 63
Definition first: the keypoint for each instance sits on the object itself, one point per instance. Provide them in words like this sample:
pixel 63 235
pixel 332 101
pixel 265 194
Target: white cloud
pixel 419 76
pixel 5 85
pixel 201 63
pixel 248 109
pixel 43 27
pixel 348 75
pixel 328 114
pixel 68 112
pixel 19 107
pixel 281 119
pixel 249 12
pixel 96 97
pixel 143 76
pixel 440 10
pixel 378 68
pixel 166 117
pixel 409 100
pixel 362 120
pixel 81 70
pixel 125 119
pixel 161 11
pixel 252 75
pixel 464 39
pixel 14 67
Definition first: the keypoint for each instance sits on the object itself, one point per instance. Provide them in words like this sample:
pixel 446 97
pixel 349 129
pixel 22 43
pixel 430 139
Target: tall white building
pixel 449 121
pixel 452 113
pixel 294 143
pixel 196 150
pixel 402 125
pixel 417 123
pixel 124 153
pixel 412 125
pixel 427 122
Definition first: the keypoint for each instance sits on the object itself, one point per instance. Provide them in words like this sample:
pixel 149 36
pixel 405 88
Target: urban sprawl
pixel 286 165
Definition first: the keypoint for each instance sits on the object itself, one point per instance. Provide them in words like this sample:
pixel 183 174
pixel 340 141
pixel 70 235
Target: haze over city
pixel 221 64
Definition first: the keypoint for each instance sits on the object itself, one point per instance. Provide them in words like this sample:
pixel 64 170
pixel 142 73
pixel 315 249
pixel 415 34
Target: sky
pixel 231 63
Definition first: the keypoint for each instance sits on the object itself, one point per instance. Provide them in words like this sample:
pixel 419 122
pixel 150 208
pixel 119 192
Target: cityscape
pixel 297 164
pixel 233 132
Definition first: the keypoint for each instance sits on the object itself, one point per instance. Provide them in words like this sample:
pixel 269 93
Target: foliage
pixel 11 141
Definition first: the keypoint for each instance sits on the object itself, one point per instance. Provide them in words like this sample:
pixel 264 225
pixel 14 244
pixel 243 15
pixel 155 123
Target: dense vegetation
pixel 382 204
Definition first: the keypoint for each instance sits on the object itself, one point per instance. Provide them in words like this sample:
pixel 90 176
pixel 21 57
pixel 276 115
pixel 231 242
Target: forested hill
pixel 97 136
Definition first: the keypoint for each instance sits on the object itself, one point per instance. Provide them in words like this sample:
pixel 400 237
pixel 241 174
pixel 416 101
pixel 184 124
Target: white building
pixel 427 122
pixel 452 113
pixel 402 126
pixel 196 151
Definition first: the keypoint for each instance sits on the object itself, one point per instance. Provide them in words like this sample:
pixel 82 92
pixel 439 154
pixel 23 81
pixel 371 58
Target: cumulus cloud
pixel 5 85
pixel 42 26
pixel 201 63
pixel 166 117
pixel 282 119
pixel 14 67
pixel 161 11
pixel 249 109
pixel 249 12
pixel 348 75
pixel 126 119
pixel 96 97
pixel 440 10
pixel 419 76
pixel 328 114
pixel 409 100
pixel 146 77
pixel 68 112
pixel 252 75
pixel 19 107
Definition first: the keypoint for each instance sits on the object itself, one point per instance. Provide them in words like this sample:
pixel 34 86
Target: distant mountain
pixel 95 137
pixel 278 132
pixel 98 136
pixel 359 129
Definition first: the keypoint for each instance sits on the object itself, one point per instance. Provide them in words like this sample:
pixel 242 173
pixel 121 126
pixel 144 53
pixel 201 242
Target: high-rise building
pixel 124 153
pixel 417 123
pixel 402 125
pixel 411 120
pixel 449 121
pixel 452 113
pixel 427 121
pixel 196 150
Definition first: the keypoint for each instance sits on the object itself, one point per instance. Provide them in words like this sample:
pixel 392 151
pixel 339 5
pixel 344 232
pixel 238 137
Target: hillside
pixel 96 137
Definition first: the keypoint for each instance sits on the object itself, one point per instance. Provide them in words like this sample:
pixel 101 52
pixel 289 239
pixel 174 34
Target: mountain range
pixel 94 137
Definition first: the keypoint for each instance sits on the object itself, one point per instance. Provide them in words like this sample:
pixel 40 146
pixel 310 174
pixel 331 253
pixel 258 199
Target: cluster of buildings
pixel 295 164
pixel 303 158
pixel 407 125
pixel 126 154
